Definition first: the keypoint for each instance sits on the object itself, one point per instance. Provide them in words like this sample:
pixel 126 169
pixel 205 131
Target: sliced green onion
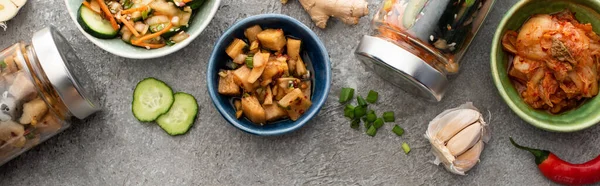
pixel 371 117
pixel 360 111
pixel 349 111
pixel 249 62
pixel 389 117
pixel 378 123
pixel 361 101
pixel 398 130
pixel 372 131
pixel 405 147
pixel 3 64
pixel 346 95
pixel 368 125
pixel 146 13
pixel 170 42
pixel 372 97
pixel 355 124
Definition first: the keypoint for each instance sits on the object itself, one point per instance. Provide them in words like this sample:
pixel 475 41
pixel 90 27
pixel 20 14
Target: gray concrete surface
pixel 112 148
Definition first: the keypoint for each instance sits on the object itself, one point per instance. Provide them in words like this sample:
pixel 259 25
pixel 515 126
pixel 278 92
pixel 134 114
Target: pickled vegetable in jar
pixel 416 44
pixel 39 92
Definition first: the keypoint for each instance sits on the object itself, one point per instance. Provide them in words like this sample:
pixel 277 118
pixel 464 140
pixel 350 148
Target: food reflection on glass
pixel 439 32
pixel 267 77
pixel 25 116
pixel 555 63
pixel 148 24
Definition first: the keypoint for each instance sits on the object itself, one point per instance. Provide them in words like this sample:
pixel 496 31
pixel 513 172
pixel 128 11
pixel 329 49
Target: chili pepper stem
pixel 540 155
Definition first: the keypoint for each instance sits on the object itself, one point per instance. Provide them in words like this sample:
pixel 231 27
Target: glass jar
pixel 417 43
pixel 40 92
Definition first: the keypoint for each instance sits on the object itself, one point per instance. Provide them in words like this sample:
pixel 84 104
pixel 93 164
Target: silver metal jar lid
pixel 402 68
pixel 64 70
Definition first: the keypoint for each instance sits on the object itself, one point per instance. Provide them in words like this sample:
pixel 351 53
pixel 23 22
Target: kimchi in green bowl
pixel 587 112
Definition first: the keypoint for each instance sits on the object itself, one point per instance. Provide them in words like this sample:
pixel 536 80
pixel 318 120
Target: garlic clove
pixel 19 3
pixel 470 158
pixel 459 120
pixel 8 10
pixel 465 139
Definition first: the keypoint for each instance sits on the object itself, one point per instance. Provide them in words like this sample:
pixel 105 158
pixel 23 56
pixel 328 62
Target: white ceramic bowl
pixel 117 47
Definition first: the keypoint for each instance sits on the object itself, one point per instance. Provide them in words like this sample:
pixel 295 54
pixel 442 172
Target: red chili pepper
pixel 563 172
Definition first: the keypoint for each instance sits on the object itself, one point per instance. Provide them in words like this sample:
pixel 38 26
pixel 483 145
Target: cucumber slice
pixel 195 4
pixel 181 116
pixel 151 98
pixel 94 24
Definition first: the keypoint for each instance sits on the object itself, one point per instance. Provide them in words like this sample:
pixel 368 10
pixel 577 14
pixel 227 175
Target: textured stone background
pixel 112 148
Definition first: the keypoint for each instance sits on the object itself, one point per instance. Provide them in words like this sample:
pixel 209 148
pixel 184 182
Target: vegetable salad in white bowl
pixel 142 29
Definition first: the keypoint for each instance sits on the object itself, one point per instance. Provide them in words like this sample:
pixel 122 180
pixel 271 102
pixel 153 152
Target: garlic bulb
pixel 457 137
pixel 9 9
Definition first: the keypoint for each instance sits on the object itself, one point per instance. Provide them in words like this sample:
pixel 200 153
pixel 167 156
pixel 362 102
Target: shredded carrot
pixel 108 15
pixel 87 4
pixel 132 10
pixel 186 1
pixel 129 26
pixel 157 34
pixel 148 45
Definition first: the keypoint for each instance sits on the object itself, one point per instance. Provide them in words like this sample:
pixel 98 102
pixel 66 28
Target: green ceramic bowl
pixel 120 48
pixel 577 119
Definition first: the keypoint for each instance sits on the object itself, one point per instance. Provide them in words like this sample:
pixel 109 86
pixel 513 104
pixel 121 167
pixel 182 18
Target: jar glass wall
pixel 438 31
pixel 29 110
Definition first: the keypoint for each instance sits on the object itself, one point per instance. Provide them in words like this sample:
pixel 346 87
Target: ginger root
pixel 349 11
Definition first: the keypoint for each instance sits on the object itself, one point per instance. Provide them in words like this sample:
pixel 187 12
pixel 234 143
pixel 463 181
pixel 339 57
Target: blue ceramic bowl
pixel 311 46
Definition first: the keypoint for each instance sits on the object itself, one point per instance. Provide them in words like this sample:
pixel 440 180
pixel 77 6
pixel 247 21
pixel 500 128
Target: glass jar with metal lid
pixel 40 90
pixel 418 43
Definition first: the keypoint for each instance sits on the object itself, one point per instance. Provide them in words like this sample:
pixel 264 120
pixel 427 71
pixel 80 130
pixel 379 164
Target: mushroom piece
pixel 33 111
pixel 22 87
pixel 10 130
pixel 49 124
pixel 9 107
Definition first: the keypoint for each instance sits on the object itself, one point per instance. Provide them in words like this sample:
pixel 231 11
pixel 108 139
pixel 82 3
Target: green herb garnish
pixel 346 95
pixel 360 111
pixel 372 131
pixel 361 101
pixel 378 123
pixel 170 43
pixel 371 117
pixel 372 97
pixel 355 124
pixel 249 62
pixel 405 147
pixel 389 117
pixel 349 111
pixel 398 130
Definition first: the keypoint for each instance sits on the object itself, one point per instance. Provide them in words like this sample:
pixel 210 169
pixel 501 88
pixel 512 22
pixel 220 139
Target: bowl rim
pixel 149 55
pixel 507 99
pixel 295 125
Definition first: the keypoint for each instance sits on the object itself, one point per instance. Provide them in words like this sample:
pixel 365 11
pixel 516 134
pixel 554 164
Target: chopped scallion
pixel 398 130
pixel 405 147
pixel 371 117
pixel 372 97
pixel 389 117
pixel 368 125
pixel 378 123
pixel 361 101
pixel 355 124
pixel 249 62
pixel 372 131
pixel 346 95
pixel 360 111
pixel 349 111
